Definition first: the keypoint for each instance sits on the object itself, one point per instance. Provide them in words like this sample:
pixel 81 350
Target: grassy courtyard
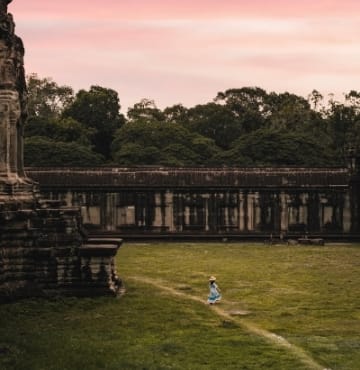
pixel 283 307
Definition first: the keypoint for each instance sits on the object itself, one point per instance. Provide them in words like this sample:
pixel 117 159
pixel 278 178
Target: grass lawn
pixel 283 307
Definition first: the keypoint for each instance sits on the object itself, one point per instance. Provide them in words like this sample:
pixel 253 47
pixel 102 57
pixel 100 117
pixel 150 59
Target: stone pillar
pixel 179 212
pixel 303 209
pixel 355 204
pixel 186 215
pixel 241 212
pixel 158 217
pixel 13 181
pixel 354 186
pixel 9 116
pixel 284 217
pixel 257 211
pixel 4 136
pixel 206 211
pixel 109 215
pixel 251 212
pixel 169 210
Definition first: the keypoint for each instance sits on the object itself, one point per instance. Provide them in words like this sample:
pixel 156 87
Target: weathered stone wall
pixel 42 247
pixel 207 201
pixel 354 189
pixel 44 252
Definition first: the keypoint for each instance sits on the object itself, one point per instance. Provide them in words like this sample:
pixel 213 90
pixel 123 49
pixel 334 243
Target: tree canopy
pixel 99 110
pixel 161 143
pixel 43 152
pixel 46 98
pixel 245 126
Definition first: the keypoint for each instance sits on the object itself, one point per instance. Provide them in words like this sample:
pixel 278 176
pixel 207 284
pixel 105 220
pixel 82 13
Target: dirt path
pixel 250 327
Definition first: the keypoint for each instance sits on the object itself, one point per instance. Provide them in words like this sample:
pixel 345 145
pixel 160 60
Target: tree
pixel 353 99
pixel 161 143
pixel 98 109
pixel 59 129
pixel 294 113
pixel 176 114
pixel 248 104
pixel 46 98
pixel 214 121
pixel 272 147
pixel 50 138
pixel 146 111
pixel 315 98
pixel 41 151
pixel 243 99
pixel 344 127
pixel 353 138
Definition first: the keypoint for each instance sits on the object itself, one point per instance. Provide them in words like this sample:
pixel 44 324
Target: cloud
pixel 186 51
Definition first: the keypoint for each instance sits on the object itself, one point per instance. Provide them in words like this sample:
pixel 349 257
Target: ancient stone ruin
pixel 43 248
pixel 217 203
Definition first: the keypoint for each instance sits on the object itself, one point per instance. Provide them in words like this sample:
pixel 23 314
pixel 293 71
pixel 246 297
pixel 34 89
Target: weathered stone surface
pixel 210 201
pixel 45 253
pixel 199 177
pixel 42 243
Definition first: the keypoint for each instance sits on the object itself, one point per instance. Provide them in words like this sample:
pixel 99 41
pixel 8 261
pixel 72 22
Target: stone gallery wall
pixel 207 200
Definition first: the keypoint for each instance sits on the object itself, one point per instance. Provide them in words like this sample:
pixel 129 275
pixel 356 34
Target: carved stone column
pixel 14 185
pixel 9 116
pixel 169 210
pixel 284 217
pixel 241 212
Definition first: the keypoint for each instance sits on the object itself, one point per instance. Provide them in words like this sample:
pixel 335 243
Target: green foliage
pixel 243 126
pixel 244 100
pixel 160 143
pixel 176 114
pixel 216 122
pixel 288 111
pixel 58 129
pixel 41 151
pixel 277 147
pixel 145 111
pixel 248 104
pixel 46 98
pixel 344 124
pixel 99 110
pixel 53 140
pixel 177 154
pixel 135 154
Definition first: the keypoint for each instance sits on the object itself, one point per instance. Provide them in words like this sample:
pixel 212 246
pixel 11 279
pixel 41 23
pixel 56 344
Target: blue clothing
pixel 214 295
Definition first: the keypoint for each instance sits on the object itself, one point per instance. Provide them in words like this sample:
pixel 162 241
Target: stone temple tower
pixel 14 185
pixel 43 248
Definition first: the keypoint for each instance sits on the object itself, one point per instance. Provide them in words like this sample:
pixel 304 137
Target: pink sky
pixel 185 51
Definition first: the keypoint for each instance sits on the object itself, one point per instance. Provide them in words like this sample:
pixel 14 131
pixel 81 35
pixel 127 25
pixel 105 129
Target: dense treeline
pixel 243 127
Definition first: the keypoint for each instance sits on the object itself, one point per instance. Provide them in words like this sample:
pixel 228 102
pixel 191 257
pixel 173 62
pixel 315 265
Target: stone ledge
pixel 309 241
pixel 98 250
pixel 97 241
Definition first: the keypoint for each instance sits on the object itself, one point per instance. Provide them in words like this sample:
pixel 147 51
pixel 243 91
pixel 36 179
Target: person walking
pixel 214 295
